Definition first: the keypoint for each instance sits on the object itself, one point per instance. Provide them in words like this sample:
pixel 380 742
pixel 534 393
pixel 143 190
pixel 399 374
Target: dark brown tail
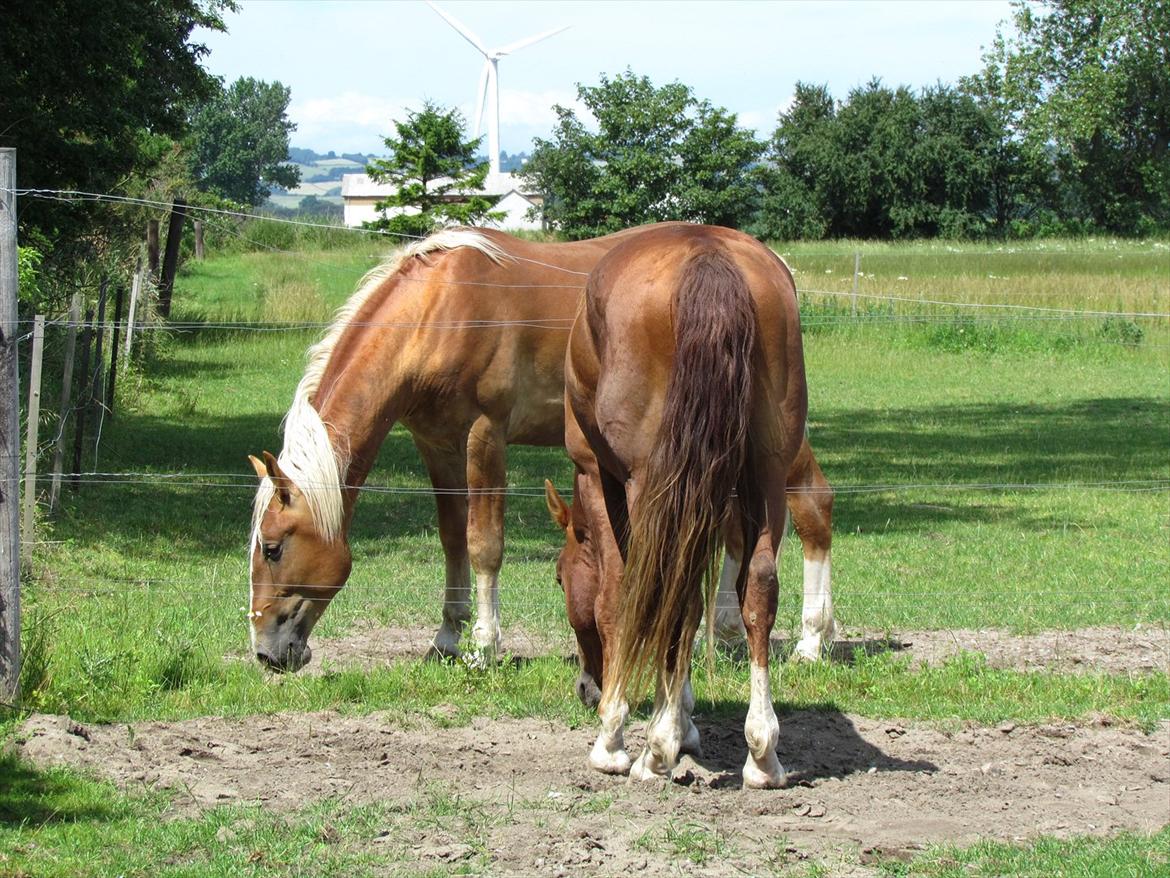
pixel 699 458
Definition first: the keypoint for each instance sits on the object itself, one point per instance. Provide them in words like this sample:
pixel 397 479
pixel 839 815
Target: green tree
pixel 884 163
pixel 91 91
pixel 238 143
pixel 436 173
pixel 658 154
pixel 1088 83
pixel 801 158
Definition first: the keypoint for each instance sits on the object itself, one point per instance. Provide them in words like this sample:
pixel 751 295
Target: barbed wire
pixel 66 195
pixel 515 602
pixel 248 481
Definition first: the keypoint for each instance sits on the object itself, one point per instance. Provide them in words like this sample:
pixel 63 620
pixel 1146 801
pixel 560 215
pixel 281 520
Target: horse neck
pixel 365 389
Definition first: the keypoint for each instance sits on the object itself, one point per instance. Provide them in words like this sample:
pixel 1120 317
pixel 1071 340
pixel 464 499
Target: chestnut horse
pixel 686 402
pixel 461 337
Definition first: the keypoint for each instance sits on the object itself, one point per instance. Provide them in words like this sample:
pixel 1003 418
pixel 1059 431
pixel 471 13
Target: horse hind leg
pixel 762 729
pixel 811 508
pixel 728 621
pixel 667 731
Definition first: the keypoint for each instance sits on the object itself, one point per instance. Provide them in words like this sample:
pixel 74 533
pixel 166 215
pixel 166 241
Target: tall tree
pixel 1088 81
pixel 91 89
pixel 658 154
pixel 436 172
pixel 238 144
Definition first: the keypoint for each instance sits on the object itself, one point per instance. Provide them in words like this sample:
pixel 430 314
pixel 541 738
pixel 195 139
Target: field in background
pixel 1004 473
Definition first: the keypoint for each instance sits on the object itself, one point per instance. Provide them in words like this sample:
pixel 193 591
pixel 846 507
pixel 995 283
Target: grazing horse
pixel 461 337
pixel 686 403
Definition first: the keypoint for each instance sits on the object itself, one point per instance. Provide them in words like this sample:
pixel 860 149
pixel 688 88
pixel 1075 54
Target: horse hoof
pixel 691 746
pixel 435 654
pixel 617 762
pixel 807 651
pixel 647 768
pixel 769 776
pixel 587 691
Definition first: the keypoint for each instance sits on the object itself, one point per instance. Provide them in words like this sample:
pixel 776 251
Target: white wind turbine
pixel 490 79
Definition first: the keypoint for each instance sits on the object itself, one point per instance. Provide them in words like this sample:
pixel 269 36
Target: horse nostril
pixel 268 661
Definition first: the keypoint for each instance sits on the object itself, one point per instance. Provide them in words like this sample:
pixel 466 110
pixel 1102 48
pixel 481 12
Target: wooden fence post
pixel 199 240
pixel 82 414
pixel 170 266
pixel 66 389
pixel 9 433
pixel 32 438
pixel 114 347
pixel 152 247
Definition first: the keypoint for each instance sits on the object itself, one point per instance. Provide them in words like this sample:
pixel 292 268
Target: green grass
pixel 1129 855
pixel 135 599
pixel 60 823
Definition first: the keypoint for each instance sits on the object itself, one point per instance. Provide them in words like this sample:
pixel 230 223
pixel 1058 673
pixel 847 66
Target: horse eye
pixel 272 551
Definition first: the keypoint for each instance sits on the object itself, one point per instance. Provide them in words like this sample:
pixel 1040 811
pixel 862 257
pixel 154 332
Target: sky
pixel 354 66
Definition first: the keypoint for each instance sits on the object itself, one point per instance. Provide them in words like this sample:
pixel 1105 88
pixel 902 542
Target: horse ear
pixel 258 465
pixel 282 482
pixel 556 506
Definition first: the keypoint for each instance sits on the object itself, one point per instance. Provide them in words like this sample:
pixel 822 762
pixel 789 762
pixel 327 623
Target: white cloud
pixel 350 121
pixel 534 109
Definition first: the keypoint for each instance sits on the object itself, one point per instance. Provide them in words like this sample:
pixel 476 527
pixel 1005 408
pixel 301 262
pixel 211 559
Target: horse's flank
pixel 311 458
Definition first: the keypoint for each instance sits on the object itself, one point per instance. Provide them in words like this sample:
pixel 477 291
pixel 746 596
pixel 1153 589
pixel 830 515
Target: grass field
pixel 995 469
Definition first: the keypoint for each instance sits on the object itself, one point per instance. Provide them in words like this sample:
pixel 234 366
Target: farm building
pixel 360 194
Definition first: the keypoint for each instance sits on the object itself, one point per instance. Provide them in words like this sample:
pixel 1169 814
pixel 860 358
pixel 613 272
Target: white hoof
pixel 808 649
pixel 649 767
pixel 487 638
pixel 765 775
pixel 609 762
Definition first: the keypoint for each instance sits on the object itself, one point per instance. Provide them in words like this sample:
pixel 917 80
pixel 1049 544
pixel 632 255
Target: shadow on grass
pixel 29 796
pixel 1085 440
pixel 817 741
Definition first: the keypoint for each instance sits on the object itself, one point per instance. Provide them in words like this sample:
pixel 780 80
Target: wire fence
pixel 1091 618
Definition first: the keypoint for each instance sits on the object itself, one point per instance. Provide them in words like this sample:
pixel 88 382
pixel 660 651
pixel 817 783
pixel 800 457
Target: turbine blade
pixel 481 94
pixel 528 41
pixel 459 26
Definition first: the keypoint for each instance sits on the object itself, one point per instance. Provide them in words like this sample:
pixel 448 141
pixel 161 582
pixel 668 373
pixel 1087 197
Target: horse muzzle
pixel 290 659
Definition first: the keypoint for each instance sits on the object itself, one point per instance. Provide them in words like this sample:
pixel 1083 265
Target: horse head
pixel 579 576
pixel 296 569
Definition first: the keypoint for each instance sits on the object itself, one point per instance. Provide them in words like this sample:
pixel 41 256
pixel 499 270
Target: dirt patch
pixel 859 789
pixel 1114 650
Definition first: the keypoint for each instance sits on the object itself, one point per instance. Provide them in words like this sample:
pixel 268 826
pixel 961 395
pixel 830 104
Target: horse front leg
pixel 486 482
pixel 448 472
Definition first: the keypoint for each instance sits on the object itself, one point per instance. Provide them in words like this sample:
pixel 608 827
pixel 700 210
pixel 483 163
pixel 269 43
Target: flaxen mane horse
pixel 460 337
pixel 686 402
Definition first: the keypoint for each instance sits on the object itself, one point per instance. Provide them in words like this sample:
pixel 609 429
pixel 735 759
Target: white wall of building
pixel 359 194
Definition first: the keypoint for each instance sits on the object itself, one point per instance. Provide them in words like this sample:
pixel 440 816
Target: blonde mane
pixel 309 458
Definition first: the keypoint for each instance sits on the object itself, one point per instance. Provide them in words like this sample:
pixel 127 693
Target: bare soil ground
pixel 859 790
pixel 1110 650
